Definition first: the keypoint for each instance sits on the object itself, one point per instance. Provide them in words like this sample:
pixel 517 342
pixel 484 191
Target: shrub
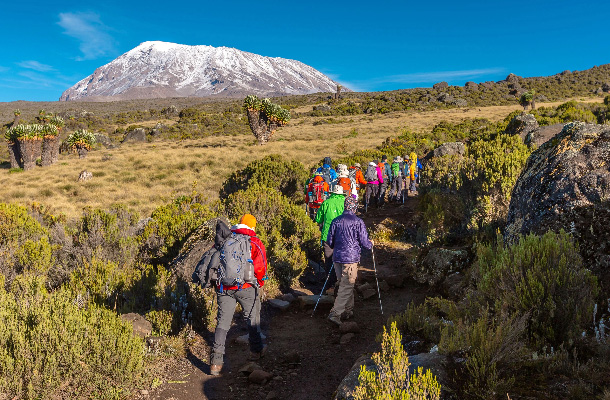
pixel 392 379
pixel 161 322
pixel 273 171
pixel 285 229
pixel 542 277
pixel 46 340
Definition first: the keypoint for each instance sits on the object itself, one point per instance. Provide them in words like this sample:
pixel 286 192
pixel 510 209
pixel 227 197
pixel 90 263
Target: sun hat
pixel 357 165
pixel 338 189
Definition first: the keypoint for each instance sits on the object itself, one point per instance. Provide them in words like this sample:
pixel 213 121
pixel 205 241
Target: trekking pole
pixel 375 267
pixel 323 287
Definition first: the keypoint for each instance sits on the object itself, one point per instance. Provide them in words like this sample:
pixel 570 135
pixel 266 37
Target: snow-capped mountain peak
pixel 161 69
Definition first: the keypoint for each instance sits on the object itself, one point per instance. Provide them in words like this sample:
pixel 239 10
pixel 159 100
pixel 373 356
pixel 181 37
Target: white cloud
pixel 35 78
pixel 3 69
pixel 425 77
pixel 35 65
pixel 89 30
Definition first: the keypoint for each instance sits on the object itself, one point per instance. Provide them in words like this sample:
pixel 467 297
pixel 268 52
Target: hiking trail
pixel 304 355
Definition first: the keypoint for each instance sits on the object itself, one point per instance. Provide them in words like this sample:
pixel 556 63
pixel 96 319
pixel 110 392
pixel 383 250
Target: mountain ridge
pixel 156 69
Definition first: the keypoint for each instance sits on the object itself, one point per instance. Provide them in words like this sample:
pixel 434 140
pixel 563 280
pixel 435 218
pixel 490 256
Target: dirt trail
pixel 322 361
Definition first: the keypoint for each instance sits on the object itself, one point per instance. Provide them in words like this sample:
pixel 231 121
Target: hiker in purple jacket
pixel 347 235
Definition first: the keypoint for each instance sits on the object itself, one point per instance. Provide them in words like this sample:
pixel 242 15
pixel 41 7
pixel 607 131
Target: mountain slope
pixel 160 69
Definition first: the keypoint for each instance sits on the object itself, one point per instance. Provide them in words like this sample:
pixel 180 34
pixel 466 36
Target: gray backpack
pixel 371 173
pixel 236 266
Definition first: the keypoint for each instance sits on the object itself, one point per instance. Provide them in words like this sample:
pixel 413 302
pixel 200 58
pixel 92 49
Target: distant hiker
pixel 343 181
pixel 330 209
pixel 317 192
pixel 406 174
pixel 413 172
pixel 242 270
pixel 373 178
pixel 357 178
pixel 346 236
pixel 341 169
pixel 386 171
pixel 397 170
pixel 206 271
pixel 328 173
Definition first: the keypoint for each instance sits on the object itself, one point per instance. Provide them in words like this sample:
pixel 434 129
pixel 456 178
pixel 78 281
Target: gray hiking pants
pixel 372 191
pixel 396 191
pixel 346 274
pixel 250 303
pixel 383 188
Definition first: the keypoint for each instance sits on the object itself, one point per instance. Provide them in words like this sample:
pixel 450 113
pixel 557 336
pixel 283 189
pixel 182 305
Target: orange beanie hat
pixel 249 220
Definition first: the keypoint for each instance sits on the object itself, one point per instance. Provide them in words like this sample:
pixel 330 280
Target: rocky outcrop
pixel 541 135
pixel 449 149
pixel 104 141
pixel 440 85
pixel 522 125
pixel 565 184
pixel 438 263
pixel 136 135
pixel 471 86
pixel 141 327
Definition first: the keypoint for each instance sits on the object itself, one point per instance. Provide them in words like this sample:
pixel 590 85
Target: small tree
pixel 49 144
pixel 392 380
pixel 81 141
pixel 527 99
pixel 29 138
pixel 13 147
pixel 59 123
pixel 264 117
pixel 339 87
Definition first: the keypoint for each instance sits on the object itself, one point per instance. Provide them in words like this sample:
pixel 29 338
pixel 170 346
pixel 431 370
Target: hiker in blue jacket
pixel 347 235
pixel 327 171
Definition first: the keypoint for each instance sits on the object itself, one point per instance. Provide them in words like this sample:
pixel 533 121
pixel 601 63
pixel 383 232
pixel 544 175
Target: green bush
pixel 285 229
pixel 273 171
pixel 161 322
pixel 391 378
pixel 542 277
pixel 46 340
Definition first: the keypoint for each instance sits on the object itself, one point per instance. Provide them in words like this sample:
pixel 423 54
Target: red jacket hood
pixel 243 229
pixel 318 178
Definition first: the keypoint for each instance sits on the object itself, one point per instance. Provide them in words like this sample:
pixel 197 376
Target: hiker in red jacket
pixel 238 283
pixel 317 192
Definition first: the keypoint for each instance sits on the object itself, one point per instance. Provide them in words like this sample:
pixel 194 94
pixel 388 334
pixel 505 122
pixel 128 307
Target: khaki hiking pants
pixel 346 275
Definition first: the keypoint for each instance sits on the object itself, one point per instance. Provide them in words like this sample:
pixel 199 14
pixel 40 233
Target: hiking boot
pixel 334 319
pixel 257 356
pixel 347 315
pixel 215 369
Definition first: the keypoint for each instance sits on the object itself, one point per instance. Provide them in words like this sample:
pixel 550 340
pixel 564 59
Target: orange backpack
pixel 345 183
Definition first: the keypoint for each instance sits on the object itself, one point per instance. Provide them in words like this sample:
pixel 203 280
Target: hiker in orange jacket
pixel 357 178
pixel 317 192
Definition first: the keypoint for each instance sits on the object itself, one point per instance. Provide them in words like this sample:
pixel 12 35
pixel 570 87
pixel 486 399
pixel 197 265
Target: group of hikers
pixel 236 266
pixel 400 177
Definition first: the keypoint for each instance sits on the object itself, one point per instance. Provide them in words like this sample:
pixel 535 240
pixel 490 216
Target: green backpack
pixel 396 172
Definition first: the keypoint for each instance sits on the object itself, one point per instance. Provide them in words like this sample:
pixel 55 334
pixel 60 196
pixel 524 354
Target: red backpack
pixel 317 195
pixel 345 183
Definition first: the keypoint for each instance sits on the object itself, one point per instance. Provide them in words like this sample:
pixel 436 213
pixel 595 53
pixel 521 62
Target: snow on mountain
pixel 160 69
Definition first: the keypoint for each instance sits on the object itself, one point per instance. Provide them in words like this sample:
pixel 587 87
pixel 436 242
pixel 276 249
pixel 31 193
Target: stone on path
pixel 259 376
pixel 291 357
pixel 279 304
pixel 368 293
pixel 302 292
pixel 346 338
pixel 141 326
pixel 248 368
pixel 310 301
pixel 363 287
pixel 244 339
pixel 272 395
pixel 289 297
pixel 383 286
pixel 349 327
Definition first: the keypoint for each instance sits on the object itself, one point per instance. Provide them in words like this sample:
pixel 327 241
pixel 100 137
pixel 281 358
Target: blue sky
pixel 49 46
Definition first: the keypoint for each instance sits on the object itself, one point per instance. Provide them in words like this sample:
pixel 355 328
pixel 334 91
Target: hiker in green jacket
pixel 329 210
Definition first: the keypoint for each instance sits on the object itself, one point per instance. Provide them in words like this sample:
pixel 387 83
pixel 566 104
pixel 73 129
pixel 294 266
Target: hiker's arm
pixel 319 214
pixel 330 239
pixel 259 260
pixel 363 236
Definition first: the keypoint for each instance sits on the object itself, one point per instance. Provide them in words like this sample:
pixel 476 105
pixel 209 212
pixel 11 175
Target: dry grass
pixel 144 176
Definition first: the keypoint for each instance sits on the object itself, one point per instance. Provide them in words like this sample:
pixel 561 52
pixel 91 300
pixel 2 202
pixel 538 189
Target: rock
pixel 104 141
pixel 291 357
pixel 446 98
pixel 438 263
pixel 460 103
pixel 522 125
pixel 345 339
pixel 302 292
pixel 141 326
pixel 85 176
pixel 488 84
pixel 141 225
pixel 471 86
pixel 449 149
pixel 136 135
pixel 310 301
pixel 440 85
pixel 606 87
pixel 396 281
pixel 245 339
pixel 317 269
pixel 389 228
pixel 599 91
pixel 272 395
pixel 512 78
pixel 435 362
pixel 368 293
pixel 289 297
pixel 453 285
pixel 349 383
pixel 259 376
pixel 330 291
pixel 363 287
pixel 383 286
pixel 565 184
pixel 248 368
pixel 322 107
pixel 279 304
pixel 349 327
pixel 541 135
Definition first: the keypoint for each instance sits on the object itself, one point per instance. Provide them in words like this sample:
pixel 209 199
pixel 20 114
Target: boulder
pixel 141 327
pixel 541 135
pixel 440 85
pixel 522 125
pixel 349 327
pixel 460 103
pixel 438 263
pixel 104 141
pixel 298 292
pixel 85 176
pixel 449 149
pixel 248 368
pixel 512 78
pixel 136 135
pixel 435 362
pixel 565 184
pixel 349 383
pixel 345 339
pixel 446 98
pixel 310 301
pixel 289 297
pixel 488 84
pixel 606 87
